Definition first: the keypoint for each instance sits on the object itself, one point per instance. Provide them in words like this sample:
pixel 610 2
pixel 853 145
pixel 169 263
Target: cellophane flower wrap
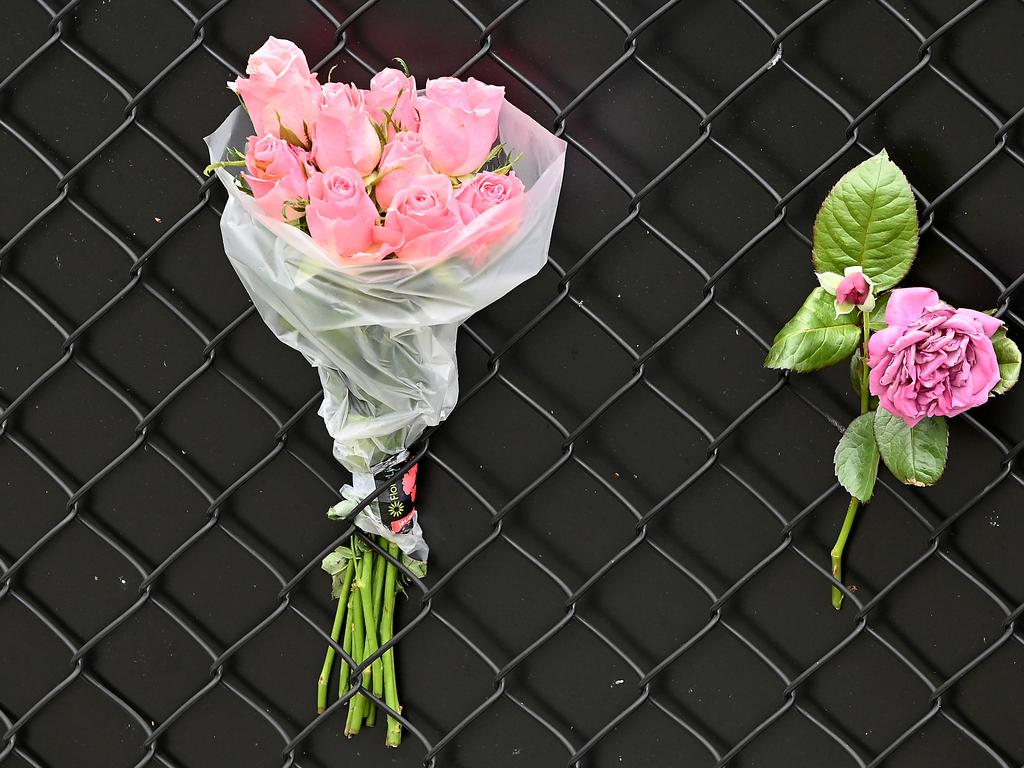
pixel 367 225
pixel 381 333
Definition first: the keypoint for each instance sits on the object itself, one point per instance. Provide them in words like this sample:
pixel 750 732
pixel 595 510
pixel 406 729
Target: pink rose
pixel 277 175
pixel 425 215
pixel 485 191
pixel 932 360
pixel 345 137
pixel 279 83
pixel 341 217
pixel 392 89
pixel 853 289
pixel 402 161
pixel 494 204
pixel 459 123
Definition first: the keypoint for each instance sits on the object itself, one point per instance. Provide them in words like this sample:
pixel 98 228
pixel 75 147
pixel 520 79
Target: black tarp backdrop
pixel 629 518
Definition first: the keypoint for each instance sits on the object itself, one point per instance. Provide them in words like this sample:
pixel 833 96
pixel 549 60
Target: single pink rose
pixel 277 176
pixel 425 215
pixel 493 206
pixel 345 137
pixel 854 289
pixel 932 360
pixel 459 123
pixel 403 160
pixel 279 84
pixel 341 217
pixel 391 89
pixel 485 191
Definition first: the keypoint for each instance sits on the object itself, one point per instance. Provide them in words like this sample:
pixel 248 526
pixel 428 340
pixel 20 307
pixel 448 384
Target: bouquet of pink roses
pixel 367 225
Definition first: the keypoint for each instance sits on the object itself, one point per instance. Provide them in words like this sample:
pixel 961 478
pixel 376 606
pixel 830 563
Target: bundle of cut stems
pixel 365 620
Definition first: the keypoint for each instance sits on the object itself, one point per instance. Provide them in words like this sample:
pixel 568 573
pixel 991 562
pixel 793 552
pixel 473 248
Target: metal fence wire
pixel 630 519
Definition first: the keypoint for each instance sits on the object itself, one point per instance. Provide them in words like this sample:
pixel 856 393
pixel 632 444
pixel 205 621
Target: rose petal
pixel 988 323
pixel 907 304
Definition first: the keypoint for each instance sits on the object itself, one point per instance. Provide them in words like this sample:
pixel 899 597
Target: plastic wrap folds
pixel 382 333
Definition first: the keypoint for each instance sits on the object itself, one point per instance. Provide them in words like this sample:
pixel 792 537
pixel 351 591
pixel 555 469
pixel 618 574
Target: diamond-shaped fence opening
pixel 629 516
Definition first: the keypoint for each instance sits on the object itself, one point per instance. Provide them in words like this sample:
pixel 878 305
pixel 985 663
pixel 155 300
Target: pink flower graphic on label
pixel 409 482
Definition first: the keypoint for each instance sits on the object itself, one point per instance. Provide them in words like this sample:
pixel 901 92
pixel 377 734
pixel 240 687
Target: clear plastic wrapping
pixel 382 333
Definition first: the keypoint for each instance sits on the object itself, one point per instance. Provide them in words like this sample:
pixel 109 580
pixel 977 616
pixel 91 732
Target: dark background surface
pixel 164 475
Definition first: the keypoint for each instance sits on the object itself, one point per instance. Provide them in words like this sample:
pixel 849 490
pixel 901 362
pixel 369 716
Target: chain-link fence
pixel 630 518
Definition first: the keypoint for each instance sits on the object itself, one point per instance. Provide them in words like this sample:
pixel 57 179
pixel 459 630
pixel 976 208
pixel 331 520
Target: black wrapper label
pixel 396 505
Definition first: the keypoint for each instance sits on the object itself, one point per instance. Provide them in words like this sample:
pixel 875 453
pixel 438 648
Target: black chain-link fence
pixel 629 517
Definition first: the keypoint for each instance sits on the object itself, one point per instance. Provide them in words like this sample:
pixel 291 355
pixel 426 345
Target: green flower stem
pixel 377 595
pixel 370 643
pixel 339 617
pixel 387 628
pixel 356 705
pixel 380 564
pixel 865 394
pixel 346 645
pixel 851 511
pixel 837 551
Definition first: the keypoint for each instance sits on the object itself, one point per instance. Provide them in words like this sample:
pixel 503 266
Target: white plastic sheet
pixel 382 334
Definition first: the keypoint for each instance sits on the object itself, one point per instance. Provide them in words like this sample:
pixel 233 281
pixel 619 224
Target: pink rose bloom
pixel 459 123
pixel 403 160
pixel 853 289
pixel 345 137
pixel 494 204
pixel 341 217
pixel 425 216
pixel 932 360
pixel 279 83
pixel 277 175
pixel 391 88
pixel 485 191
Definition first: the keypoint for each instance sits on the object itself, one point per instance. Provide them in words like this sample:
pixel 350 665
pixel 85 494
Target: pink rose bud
pixel 459 123
pixel 279 84
pixel 391 89
pixel 345 137
pixel 277 176
pixel 932 360
pixel 485 191
pixel 426 217
pixel 341 217
pixel 853 289
pixel 402 161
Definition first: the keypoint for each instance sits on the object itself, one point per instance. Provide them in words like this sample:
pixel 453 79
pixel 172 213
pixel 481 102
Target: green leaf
pixel 916 456
pixel 382 135
pixel 877 315
pixel 495 151
pixel 341 510
pixel 868 219
pixel 814 337
pixel 403 65
pixel 290 136
pixel 856 374
pixel 857 371
pixel 856 459
pixel 1008 356
pixel 337 561
pixel 418 567
pixel 223 164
